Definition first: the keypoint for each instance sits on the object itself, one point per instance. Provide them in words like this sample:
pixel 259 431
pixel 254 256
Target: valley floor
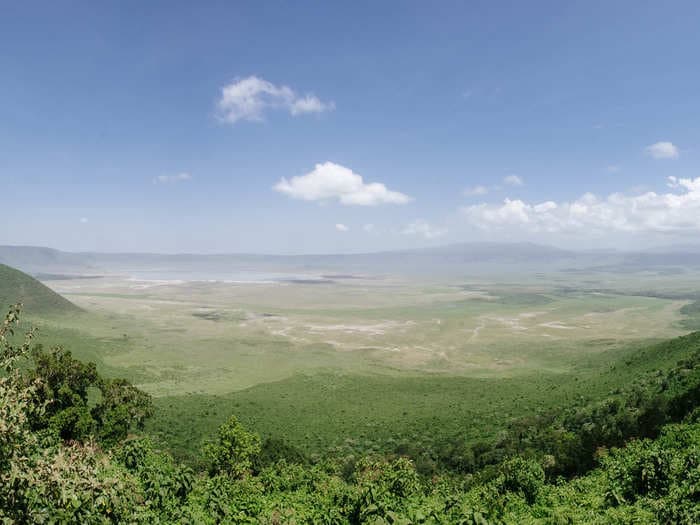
pixel 356 362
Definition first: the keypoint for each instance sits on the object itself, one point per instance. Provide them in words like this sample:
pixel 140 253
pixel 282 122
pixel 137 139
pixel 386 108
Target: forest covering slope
pixel 633 456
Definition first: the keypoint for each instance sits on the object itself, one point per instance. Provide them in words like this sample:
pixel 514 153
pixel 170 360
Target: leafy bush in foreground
pixel 64 386
pixel 43 480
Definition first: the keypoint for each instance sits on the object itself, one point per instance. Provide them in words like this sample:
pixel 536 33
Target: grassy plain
pixel 362 364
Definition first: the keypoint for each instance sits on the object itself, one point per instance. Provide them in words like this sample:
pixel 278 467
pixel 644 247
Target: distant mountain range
pixel 450 259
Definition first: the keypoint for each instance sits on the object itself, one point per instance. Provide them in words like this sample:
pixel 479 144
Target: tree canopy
pixel 70 453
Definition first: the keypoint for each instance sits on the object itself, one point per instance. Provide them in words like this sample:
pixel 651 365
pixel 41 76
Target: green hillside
pixel 629 456
pixel 18 287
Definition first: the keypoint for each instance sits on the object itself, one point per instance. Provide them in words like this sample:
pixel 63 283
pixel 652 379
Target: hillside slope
pixel 18 287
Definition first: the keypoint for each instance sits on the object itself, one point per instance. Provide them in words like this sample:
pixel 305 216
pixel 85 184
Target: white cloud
pixel 369 228
pixel 83 220
pixel 249 98
pixel 613 168
pixel 673 212
pixel 330 181
pixel 513 180
pixel 476 190
pixel 178 177
pixel 341 227
pixel 424 229
pixel 310 104
pixel 662 150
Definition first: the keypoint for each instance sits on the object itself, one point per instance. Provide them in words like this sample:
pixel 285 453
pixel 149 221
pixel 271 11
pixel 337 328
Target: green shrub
pixel 234 450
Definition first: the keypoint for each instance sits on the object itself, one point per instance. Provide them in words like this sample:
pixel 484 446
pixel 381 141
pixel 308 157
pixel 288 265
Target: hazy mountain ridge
pixel 477 257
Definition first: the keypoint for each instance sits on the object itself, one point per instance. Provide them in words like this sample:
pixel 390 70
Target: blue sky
pixel 173 127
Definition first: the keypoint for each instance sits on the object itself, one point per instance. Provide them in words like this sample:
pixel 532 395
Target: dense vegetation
pixel 691 311
pixel 70 452
pixel 418 415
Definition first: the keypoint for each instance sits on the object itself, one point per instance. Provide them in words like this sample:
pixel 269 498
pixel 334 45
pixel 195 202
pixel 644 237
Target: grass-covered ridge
pixel 38 299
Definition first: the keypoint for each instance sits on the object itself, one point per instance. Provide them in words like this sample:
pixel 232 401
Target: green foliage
pixel 691 311
pixel 629 464
pixel 122 407
pixel 522 476
pixel 64 388
pixel 71 484
pixel 165 486
pixel 41 480
pixel 666 471
pixel 383 487
pixel 423 416
pixel 567 439
pixel 274 450
pixel 234 450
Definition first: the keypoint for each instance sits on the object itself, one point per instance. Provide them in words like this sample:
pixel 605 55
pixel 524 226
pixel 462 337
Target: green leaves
pixel 234 450
pixel 74 480
pixel 122 407
pixel 64 385
pixel 522 476
pixel 11 354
